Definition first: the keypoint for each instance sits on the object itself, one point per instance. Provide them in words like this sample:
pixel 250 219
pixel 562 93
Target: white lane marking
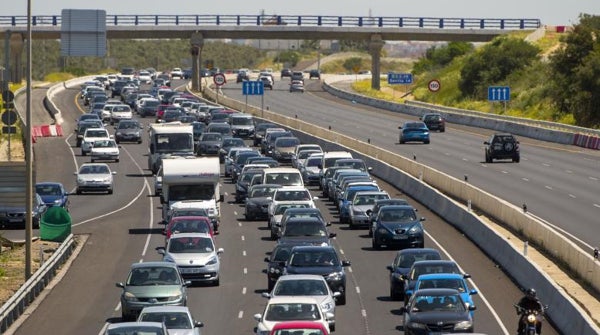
pixel 349 269
pixel 505 172
pixel 226 194
pixel 244 290
pixel 548 187
pixel 596 205
pixel 593 178
pixel 235 213
pixel 572 196
pixel 465 159
pixel 244 253
pixel 363 312
pixel 243 238
pixel 342 251
pixel 525 179
pixel 480 294
pixel 245 271
pixel 240 314
pixel 568 171
pixel 546 164
pixel 357 289
pixel 118 306
pixel 239 224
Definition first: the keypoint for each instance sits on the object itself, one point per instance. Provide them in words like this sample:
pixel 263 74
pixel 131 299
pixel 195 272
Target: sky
pixel 550 12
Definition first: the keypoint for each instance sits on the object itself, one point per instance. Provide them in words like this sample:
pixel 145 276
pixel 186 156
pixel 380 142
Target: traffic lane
pixel 460 153
pixel 39 114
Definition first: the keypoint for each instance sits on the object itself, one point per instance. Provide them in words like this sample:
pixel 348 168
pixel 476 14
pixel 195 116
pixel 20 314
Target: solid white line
pixel 505 172
pixel 546 164
pixel 525 179
pixel 596 205
pixel 239 224
pixel 363 312
pixel 593 178
pixel 349 269
pixel 235 213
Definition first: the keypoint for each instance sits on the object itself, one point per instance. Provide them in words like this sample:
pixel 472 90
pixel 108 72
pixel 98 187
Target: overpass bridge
pixel 198 28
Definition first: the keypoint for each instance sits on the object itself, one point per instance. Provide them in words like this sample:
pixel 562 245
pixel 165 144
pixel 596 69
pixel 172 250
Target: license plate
pixel 190 270
pixel 404 237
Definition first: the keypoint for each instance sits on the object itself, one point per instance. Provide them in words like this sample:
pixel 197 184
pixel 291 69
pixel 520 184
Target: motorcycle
pixel 531 318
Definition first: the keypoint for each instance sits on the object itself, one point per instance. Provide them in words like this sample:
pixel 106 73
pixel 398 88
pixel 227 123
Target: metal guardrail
pixel 17 304
pixel 290 20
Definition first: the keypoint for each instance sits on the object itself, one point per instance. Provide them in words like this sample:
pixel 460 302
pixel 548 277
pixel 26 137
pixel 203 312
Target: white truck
pixel 169 139
pixel 194 181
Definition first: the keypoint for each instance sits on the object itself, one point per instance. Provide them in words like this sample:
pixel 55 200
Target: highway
pixel 558 183
pixel 123 228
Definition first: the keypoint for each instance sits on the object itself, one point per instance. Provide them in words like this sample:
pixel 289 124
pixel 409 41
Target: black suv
pixel 320 260
pixel 434 121
pixel 314 74
pixel 502 146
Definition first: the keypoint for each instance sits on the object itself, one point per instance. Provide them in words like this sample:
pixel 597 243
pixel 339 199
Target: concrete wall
pixel 436 190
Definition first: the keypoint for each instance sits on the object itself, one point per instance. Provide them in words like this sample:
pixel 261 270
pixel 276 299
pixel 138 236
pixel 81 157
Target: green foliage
pixel 354 45
pixel 352 64
pixel 288 57
pixel 493 63
pixel 437 57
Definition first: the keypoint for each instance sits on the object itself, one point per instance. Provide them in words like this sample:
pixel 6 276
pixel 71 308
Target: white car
pixel 105 150
pixel 94 177
pixel 290 194
pixel 195 256
pixel 177 319
pixel 177 72
pixel 292 308
pixel 92 135
pixel 145 77
pixel 120 112
pixel 313 286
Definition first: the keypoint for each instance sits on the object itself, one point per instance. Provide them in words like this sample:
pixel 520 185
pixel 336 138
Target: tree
pixel 493 63
pixel 288 57
pixel 440 56
pixel 353 63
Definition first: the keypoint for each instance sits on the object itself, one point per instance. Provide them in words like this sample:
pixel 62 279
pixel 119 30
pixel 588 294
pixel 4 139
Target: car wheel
pixel 82 153
pixel 93 160
pixel 78 192
pixel 426 142
pixel 217 282
pixel 117 160
pixel 442 130
pixel 516 159
pixel 270 285
pixel 401 141
pixel 110 191
pixel 395 296
pixel 341 300
pixel 273 236
pixel 139 141
pixel 374 244
pixel 488 159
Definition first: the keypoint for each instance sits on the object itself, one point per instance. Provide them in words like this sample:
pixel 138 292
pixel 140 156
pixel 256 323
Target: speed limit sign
pixel 434 85
pixel 219 79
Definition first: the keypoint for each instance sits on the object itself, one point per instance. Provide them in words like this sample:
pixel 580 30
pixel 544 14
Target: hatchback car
pixel 502 146
pixel 425 267
pixel 90 136
pixel 53 194
pixel 437 311
pixel 105 150
pixel 292 308
pixel 195 255
pixel 188 224
pixel 434 121
pixel 414 132
pixel 151 284
pixel 361 204
pixel 314 74
pixel 453 281
pixel 128 131
pixel 94 177
pixel 297 86
pixel 149 328
pixel 258 200
pixel 323 261
pixel 401 265
pixel 15 215
pixel 306 230
pixel 399 226
pixel 177 319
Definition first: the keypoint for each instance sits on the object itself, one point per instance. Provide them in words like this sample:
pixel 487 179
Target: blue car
pixel 53 194
pixel 414 131
pixel 448 280
pixel 398 226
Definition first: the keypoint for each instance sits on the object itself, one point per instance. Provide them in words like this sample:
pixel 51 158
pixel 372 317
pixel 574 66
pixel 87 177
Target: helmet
pixel 531 293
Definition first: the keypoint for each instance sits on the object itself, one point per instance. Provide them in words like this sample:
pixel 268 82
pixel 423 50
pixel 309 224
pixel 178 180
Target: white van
pixel 284 176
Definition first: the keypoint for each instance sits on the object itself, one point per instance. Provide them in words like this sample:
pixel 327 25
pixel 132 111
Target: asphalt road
pixel 558 183
pixel 123 229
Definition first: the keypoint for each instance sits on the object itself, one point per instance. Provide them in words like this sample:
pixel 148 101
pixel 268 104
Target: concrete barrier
pixel 436 190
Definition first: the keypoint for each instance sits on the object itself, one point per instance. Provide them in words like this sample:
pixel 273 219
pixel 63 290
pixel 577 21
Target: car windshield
pixel 210 137
pixel 241 121
pixel 368 199
pixel 292 311
pixel 398 215
pixel 136 330
pixel 233 142
pixel 128 125
pixel 280 209
pixel 313 162
pixel 262 192
pixel 300 287
pixel 437 268
pixel 96 133
pixel 310 228
pixel 172 320
pixel 190 226
pixel 284 178
pixel 150 276
pixel 190 212
pixel 183 245
pixel 452 283
pixel 105 144
pixel 94 169
pixel 407 260
pixel 300 195
pixel 48 190
pixel 429 303
pixel 286 142
pixel 314 258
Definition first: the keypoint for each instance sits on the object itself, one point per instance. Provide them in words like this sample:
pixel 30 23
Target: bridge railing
pixel 288 20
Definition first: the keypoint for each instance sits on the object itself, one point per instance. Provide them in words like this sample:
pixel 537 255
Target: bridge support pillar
pixel 375 46
pixel 197 42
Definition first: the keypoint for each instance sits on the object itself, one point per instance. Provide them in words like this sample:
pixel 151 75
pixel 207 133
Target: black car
pixel 286 73
pixel 259 131
pixel 434 121
pixel 305 230
pixel 209 144
pixel 402 263
pixel 276 263
pixel 314 74
pixel 372 213
pixel 502 146
pixel 128 131
pixel 242 184
pixel 240 161
pixel 437 311
pixel 117 86
pixel 258 200
pixel 15 216
pixel 320 260
pixel 398 225
pixel 241 76
pixel 229 142
pixel 426 267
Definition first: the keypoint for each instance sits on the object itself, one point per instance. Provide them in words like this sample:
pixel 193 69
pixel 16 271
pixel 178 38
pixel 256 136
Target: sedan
pixel 177 319
pixel 151 284
pixel 453 281
pixel 297 86
pixel 150 328
pixel 53 194
pixel 414 132
pixel 258 200
pixel 291 309
pixel 95 177
pixel 434 121
pixel 16 215
pixel 399 226
pixel 195 256
pixel 105 150
pixel 128 131
pixel 437 311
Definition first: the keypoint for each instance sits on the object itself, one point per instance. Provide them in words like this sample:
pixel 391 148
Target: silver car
pixel 105 150
pixel 151 284
pixel 95 177
pixel 363 202
pixel 313 286
pixel 150 328
pixel 195 256
pixel 177 319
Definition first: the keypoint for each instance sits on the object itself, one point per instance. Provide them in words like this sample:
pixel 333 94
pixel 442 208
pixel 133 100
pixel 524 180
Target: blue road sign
pixel 499 93
pixel 253 87
pixel 400 78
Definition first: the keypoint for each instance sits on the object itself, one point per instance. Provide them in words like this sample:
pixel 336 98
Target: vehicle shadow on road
pixel 145 231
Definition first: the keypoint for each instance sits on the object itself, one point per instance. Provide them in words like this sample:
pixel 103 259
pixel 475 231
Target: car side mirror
pixel 399 127
pixel 220 251
pixel 198 324
pixel 390 268
pixel 257 317
pixel 422 219
pixel 266 295
pixel 486 143
pixel 121 285
pixel 332 235
pixel 221 198
pixel 346 263
pixel 267 260
pixel 114 172
pixel 472 292
pixel 472 308
pixel 466 275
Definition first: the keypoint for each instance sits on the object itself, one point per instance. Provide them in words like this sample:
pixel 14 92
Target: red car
pixel 160 111
pixel 188 224
pixel 303 327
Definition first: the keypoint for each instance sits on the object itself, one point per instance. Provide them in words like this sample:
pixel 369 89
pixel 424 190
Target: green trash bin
pixel 55 224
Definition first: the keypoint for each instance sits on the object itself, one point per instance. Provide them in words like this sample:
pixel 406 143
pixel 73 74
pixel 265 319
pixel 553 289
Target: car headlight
pixel 382 231
pixel 335 276
pixel 274 270
pixel 327 306
pixel 416 229
pixel 107 179
pixel 118 133
pixel 174 298
pixel 58 201
pixel 356 211
pixel 129 296
pixel 463 325
pixel 397 276
pixel 416 325
pixel 212 261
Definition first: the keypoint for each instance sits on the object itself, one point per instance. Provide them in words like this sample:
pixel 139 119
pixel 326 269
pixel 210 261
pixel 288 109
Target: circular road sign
pixel 219 79
pixel 434 85
pixel 9 117
pixel 8 96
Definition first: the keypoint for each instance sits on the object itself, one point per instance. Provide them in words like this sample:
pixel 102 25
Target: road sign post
pixel 499 94
pixel 219 80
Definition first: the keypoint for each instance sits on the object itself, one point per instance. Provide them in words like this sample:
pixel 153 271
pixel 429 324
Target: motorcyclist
pixel 530 302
